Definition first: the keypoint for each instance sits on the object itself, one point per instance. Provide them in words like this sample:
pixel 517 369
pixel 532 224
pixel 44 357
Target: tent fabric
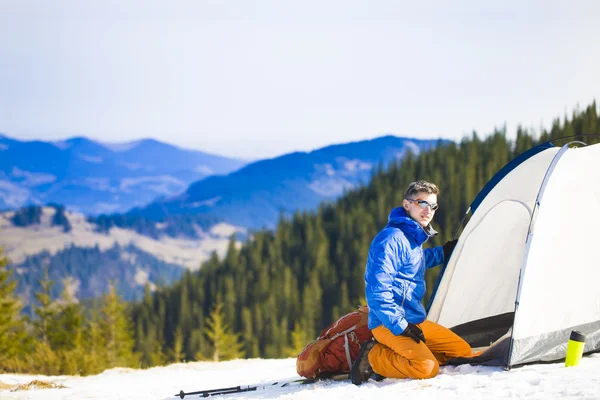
pixel 489 252
pixel 561 274
pixel 527 253
pixel 551 346
pixel 482 332
pixel 505 170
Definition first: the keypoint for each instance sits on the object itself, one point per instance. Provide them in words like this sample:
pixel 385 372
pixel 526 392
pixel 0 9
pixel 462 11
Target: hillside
pixel 255 196
pixel 91 255
pixel 310 270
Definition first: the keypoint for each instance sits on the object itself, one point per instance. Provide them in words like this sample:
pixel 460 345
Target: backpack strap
pixel 347 347
pixel 347 331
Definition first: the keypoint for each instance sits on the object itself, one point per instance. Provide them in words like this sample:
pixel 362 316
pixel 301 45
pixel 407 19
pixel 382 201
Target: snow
pixel 355 165
pixel 32 178
pixel 141 277
pixel 13 195
pixel 91 159
pixel 62 144
pixel 330 187
pixel 162 184
pixel 326 168
pixel 204 169
pixel 225 230
pixel 205 203
pixel 121 147
pixel 544 381
pixel 413 147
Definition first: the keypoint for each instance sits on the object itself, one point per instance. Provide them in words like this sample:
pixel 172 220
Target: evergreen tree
pixel 46 312
pixel 299 340
pixel 226 345
pixel 178 346
pixel 12 326
pixel 95 359
pixel 147 344
pixel 249 338
pixel 116 328
pixel 26 216
pixel 60 219
pixel 67 335
pixel 67 327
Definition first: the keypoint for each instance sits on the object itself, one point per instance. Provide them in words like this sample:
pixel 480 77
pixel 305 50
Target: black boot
pixel 361 369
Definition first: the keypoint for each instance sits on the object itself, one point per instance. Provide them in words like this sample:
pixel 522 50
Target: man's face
pixel 423 216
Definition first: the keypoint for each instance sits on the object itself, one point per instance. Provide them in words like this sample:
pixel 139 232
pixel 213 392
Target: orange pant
pixel 401 357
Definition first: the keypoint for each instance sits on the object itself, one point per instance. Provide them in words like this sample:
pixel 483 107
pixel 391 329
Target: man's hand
pixel 414 332
pixel 448 247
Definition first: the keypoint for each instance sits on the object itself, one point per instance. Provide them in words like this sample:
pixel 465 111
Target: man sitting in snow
pixel 407 346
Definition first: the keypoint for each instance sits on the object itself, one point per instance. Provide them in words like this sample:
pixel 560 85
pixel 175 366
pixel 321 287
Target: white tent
pixel 526 271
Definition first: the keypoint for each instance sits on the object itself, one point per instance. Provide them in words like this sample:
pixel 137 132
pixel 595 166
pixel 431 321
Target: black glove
pixel 448 247
pixel 414 332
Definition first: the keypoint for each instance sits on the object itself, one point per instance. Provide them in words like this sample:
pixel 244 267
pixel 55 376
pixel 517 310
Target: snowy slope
pixel 20 242
pixel 548 381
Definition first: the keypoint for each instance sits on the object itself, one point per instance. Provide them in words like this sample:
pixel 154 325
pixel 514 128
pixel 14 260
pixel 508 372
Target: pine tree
pixel 67 333
pixel 46 311
pixel 116 328
pixel 44 359
pixel 12 327
pixel 299 339
pixel 183 330
pixel 312 305
pixel 178 346
pixel 249 337
pixel 67 327
pixel 95 343
pixel 226 345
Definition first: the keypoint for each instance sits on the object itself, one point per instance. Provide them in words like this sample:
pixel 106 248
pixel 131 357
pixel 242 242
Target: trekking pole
pixel 261 386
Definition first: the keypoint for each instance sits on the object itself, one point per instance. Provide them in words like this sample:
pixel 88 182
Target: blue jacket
pixel 395 273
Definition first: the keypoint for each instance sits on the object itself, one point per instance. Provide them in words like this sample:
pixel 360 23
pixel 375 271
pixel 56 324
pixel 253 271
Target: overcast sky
pixel 256 79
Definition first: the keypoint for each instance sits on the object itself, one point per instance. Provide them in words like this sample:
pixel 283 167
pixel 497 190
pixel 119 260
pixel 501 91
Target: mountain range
pixel 96 178
pixel 154 243
pixel 257 194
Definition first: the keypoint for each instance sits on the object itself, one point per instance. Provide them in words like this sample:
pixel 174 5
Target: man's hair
pixel 420 187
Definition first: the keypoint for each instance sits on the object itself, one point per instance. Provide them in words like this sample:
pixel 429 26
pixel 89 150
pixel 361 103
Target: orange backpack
pixel 336 348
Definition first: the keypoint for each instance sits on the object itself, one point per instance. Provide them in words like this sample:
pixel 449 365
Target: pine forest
pixel 268 296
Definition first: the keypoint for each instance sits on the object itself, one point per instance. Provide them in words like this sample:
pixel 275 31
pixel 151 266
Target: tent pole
pixel 461 224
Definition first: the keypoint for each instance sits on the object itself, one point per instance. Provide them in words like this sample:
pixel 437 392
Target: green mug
pixel 574 349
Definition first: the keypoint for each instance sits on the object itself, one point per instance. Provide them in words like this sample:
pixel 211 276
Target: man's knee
pixel 424 368
pixel 462 349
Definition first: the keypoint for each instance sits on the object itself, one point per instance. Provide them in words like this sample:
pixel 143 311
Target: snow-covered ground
pixel 547 381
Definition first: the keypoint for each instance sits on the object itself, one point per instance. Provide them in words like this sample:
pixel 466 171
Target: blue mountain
pixel 95 178
pixel 255 195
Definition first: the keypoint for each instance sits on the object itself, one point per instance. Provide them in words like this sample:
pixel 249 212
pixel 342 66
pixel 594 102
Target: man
pixel 407 346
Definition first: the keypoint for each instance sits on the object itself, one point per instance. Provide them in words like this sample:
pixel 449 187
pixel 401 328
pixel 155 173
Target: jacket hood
pixel 399 217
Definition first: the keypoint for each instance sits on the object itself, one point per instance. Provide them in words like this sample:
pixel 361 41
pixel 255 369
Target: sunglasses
pixel 425 204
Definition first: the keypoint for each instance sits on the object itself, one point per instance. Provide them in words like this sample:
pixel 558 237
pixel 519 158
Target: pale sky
pixel 257 79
